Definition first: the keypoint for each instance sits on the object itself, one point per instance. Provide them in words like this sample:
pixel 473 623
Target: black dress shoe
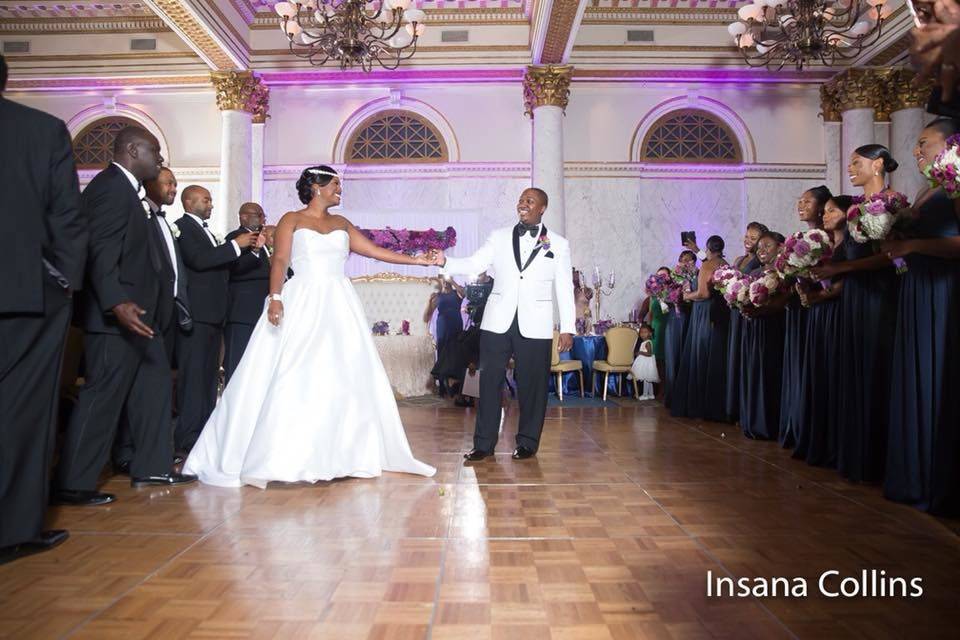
pixel 122 468
pixel 44 542
pixel 522 453
pixel 164 480
pixel 475 454
pixel 82 498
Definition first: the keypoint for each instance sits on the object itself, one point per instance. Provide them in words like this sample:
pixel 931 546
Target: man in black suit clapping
pixel 249 286
pixel 127 367
pixel 208 261
pixel 44 263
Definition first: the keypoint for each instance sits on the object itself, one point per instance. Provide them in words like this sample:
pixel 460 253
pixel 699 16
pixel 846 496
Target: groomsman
pixel 172 309
pixel 127 367
pixel 531 263
pixel 42 264
pixel 249 286
pixel 208 261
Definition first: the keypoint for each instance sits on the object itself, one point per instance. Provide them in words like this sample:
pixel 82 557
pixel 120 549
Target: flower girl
pixel 644 367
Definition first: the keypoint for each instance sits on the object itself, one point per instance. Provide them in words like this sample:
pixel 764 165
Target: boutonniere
pixel 218 238
pixel 146 209
pixel 174 229
pixel 543 243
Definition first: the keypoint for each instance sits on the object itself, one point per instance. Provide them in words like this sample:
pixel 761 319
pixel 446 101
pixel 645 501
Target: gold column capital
pixel 547 85
pixel 241 91
pixel 829 103
pixel 859 88
pixel 901 92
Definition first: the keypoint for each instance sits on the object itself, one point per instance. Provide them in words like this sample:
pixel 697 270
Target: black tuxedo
pixel 249 286
pixel 40 201
pixel 125 373
pixel 198 352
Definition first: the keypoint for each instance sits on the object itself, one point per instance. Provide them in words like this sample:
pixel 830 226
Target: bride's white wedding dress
pixel 310 399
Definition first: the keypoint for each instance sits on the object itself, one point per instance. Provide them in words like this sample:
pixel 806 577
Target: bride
pixel 310 399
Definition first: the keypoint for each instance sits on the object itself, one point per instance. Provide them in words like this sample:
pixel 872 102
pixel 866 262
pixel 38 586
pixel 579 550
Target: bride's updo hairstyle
pixel 320 175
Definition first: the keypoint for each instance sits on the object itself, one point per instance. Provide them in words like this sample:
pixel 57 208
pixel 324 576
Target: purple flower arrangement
pixel 733 285
pixel 412 242
pixel 664 288
pixel 873 219
pixel 600 327
pixel 404 328
pixel 944 171
pixel 802 252
pixel 381 328
pixel 581 326
pixel 763 287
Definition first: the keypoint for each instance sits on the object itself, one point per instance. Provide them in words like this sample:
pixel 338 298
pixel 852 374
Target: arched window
pixel 690 135
pixel 93 146
pixel 395 137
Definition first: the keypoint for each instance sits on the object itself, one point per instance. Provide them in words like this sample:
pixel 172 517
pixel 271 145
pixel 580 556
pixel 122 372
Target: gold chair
pixel 621 341
pixel 560 367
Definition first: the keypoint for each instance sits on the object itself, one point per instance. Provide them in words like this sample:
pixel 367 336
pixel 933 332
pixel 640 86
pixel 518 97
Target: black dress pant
pixel 235 339
pixel 532 373
pixel 30 362
pixel 198 358
pixel 125 374
pixel 123 445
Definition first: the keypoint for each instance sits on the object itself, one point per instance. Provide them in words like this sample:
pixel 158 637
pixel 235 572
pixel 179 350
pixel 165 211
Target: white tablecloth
pixel 408 361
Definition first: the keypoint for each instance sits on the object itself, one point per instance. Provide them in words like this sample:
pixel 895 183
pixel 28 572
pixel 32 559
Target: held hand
pixel 275 312
pixel 565 343
pixel 260 241
pixel 824 272
pixel 897 248
pixel 692 246
pixel 128 315
pixel 947 11
pixel 439 259
pixel 246 240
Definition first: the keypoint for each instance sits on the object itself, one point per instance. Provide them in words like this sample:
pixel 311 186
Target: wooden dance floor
pixel 608 534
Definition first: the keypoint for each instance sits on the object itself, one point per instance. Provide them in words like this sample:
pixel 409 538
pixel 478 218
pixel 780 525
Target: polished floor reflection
pixel 608 534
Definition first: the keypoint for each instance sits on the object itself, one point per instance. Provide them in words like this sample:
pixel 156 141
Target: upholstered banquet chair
pixel 621 341
pixel 560 367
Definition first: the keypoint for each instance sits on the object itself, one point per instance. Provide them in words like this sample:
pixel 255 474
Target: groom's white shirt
pixel 528 295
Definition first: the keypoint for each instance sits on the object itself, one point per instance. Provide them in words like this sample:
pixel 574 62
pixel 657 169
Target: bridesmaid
pixel 674 336
pixel 762 362
pixel 868 311
pixel 820 382
pixel 923 450
pixel 700 391
pixel 658 316
pixel 810 210
pixel 746 263
pixel 446 301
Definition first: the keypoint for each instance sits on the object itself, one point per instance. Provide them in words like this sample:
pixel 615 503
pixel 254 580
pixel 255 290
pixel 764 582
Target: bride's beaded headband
pixel 322 172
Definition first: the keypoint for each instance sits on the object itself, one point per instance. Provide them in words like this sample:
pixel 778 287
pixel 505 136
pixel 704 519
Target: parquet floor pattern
pixel 607 535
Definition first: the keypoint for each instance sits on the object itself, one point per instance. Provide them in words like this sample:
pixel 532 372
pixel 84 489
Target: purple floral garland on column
pixel 412 242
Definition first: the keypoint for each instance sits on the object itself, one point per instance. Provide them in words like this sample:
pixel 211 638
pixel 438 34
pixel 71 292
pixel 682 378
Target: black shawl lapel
pixel 533 254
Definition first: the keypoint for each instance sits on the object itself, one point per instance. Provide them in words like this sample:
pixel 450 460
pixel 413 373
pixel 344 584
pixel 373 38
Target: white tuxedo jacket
pixel 523 290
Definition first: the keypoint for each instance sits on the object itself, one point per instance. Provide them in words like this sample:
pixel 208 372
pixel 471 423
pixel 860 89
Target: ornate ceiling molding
pixel 95 25
pixel 643 17
pixel 180 17
pixel 555 26
pixel 436 17
pixel 33 9
pixel 91 83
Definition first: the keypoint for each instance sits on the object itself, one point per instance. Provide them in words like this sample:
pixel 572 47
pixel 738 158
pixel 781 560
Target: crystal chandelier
pixel 353 32
pixel 773 33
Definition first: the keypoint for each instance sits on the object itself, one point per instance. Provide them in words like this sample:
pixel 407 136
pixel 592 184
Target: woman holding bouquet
pixel 658 314
pixel 868 309
pixel 923 451
pixel 820 382
pixel 746 263
pixel 762 345
pixel 810 211
pixel 675 329
pixel 699 390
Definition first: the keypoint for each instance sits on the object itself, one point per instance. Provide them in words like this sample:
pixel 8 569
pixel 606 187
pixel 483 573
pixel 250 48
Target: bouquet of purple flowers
pixel 412 242
pixel 600 327
pixel 802 252
pixel 734 285
pixel 873 218
pixel 763 287
pixel 404 328
pixel 381 328
pixel 944 171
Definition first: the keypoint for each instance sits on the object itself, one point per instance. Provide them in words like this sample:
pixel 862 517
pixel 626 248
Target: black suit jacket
pixel 40 202
pixel 166 312
pixel 124 265
pixel 208 272
pixel 249 284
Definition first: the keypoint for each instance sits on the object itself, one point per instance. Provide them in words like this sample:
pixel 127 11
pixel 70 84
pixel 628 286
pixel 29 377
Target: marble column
pixel 239 96
pixel 546 92
pixel 256 178
pixel 908 118
pixel 832 138
pixel 857 131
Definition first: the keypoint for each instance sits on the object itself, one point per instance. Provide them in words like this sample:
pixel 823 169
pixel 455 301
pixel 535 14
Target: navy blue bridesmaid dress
pixel 762 364
pixel 923 449
pixel 821 385
pixel 674 334
pixel 449 327
pixel 699 387
pixel 795 333
pixel 868 311
pixel 734 355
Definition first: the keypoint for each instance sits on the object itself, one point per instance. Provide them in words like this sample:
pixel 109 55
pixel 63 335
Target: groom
pixel 530 262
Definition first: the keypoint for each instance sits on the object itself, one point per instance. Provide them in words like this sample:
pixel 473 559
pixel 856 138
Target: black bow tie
pixel 204 223
pixel 531 228
pixel 160 212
